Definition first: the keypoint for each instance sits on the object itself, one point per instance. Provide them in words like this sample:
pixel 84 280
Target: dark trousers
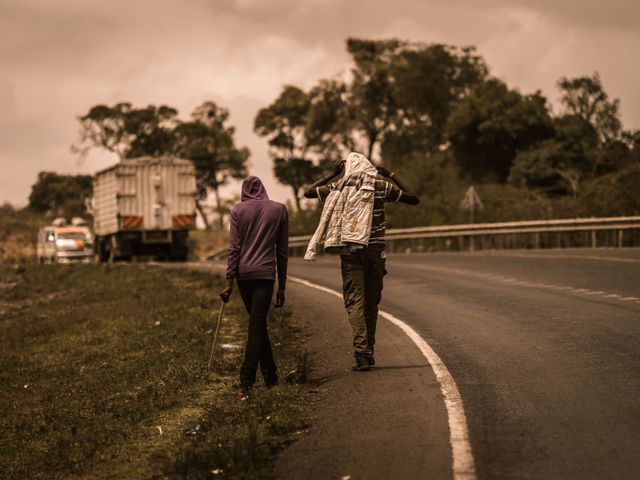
pixel 362 278
pixel 256 295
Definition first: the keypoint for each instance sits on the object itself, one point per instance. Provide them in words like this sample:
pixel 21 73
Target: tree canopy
pixel 206 139
pixel 60 195
pixel 433 112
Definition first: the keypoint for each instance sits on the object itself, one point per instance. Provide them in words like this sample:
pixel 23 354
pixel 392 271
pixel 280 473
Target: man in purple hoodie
pixel 258 243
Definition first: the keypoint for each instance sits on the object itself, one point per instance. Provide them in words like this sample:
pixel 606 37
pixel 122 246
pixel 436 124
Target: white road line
pixel 463 463
pixel 554 256
pixel 517 282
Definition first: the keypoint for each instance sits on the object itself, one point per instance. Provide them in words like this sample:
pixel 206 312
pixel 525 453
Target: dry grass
pixel 104 369
pixel 203 243
pixel 18 233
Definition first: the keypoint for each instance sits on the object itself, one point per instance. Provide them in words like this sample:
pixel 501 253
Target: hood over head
pixel 357 163
pixel 253 189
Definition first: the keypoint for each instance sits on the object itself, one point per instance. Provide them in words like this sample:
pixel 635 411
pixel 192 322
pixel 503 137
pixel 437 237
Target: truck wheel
pixel 101 251
pixel 112 249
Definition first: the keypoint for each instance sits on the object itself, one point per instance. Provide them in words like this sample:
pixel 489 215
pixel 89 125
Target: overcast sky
pixel 60 57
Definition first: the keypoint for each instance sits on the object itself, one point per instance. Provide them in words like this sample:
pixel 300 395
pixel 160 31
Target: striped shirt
pixel 384 192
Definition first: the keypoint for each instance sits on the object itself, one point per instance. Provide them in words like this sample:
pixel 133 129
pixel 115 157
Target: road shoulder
pixel 386 423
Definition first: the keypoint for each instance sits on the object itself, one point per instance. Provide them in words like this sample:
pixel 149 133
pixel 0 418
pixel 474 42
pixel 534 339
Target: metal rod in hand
pixel 215 336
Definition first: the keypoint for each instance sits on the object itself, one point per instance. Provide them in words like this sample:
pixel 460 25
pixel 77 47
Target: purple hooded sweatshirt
pixel 259 236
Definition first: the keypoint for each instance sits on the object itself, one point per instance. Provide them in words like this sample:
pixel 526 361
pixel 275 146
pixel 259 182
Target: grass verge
pixel 103 375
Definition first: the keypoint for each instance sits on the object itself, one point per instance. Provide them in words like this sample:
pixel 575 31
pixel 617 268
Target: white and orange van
pixel 62 243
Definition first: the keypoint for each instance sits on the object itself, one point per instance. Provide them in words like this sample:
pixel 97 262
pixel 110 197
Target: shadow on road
pixel 397 367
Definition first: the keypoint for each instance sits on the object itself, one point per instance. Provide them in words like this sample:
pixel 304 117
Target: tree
pixel 586 98
pixel 560 164
pixel 208 141
pixel 150 130
pixel 284 123
pixel 371 90
pixel 104 127
pixel 60 195
pixel 128 132
pixel 588 142
pixel 330 121
pixel 407 89
pixel 492 125
pixel 428 80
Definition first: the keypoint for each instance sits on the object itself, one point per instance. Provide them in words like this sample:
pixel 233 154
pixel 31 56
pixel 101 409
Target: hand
pixel 383 171
pixel 226 293
pixel 279 298
pixel 337 169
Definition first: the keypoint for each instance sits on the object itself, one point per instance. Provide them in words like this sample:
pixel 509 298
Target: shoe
pixel 245 394
pixel 362 364
pixel 372 360
pixel 271 381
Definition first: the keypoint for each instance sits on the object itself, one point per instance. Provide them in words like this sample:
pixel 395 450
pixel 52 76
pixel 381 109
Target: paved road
pixel 544 347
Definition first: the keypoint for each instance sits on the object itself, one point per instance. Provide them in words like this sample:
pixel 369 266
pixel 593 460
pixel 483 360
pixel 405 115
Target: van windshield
pixel 72 236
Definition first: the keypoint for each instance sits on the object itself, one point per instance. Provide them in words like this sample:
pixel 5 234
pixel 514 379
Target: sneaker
pixel 245 394
pixel 362 364
pixel 271 381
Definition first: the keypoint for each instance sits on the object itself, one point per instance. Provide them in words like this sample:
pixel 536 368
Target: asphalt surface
pixel 544 347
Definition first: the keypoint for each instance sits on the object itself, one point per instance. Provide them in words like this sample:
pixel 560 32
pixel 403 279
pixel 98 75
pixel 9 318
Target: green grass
pixel 104 368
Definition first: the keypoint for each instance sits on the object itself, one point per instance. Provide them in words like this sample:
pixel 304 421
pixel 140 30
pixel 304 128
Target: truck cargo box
pixel 142 201
pixel 146 193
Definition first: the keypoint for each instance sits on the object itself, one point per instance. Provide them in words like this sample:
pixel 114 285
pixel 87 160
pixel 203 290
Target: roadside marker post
pixel 471 202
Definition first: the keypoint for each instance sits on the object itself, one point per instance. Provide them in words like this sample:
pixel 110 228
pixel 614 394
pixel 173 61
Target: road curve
pixel 544 347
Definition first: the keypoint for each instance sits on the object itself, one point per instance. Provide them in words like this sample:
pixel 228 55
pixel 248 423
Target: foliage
pixel 614 194
pixel 60 195
pixel 433 114
pixel 586 98
pixel 559 165
pixel 126 131
pixel 492 125
pixel 285 124
pixel 207 140
pixel 397 100
pixel 407 88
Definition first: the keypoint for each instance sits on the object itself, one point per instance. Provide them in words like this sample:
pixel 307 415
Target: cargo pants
pixel 362 275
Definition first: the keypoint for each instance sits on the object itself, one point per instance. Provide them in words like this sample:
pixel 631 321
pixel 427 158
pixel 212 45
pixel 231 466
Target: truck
pixel 62 243
pixel 144 207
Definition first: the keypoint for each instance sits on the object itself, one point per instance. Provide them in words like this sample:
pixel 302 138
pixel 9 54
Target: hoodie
pixel 345 222
pixel 259 237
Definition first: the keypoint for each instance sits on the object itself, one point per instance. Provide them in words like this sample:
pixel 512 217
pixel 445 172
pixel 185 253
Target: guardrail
pixel 576 232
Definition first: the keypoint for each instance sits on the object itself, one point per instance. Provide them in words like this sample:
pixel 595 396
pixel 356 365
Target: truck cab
pixel 64 244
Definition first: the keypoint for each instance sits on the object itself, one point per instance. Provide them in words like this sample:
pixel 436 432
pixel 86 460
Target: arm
pixel 311 191
pixel 282 257
pixel 235 245
pixel 407 196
